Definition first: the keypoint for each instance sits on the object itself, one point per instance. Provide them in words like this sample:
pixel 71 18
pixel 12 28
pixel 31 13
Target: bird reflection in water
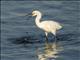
pixel 49 52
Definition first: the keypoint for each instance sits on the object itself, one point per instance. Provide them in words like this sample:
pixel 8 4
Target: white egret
pixel 47 26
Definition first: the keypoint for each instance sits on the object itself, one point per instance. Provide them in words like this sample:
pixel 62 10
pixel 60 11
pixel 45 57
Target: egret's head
pixel 35 13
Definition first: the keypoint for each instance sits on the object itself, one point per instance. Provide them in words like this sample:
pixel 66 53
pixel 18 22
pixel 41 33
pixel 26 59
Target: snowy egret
pixel 47 26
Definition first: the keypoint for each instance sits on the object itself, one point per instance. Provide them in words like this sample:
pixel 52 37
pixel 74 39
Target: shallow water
pixel 20 37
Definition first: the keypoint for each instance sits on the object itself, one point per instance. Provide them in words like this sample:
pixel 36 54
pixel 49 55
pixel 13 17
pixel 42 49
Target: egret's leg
pixel 46 41
pixel 46 37
pixel 55 42
pixel 55 39
pixel 47 45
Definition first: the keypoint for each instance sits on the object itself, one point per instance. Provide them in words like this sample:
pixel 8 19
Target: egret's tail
pixel 59 27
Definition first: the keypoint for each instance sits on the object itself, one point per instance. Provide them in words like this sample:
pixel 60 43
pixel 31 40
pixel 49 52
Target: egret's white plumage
pixel 47 26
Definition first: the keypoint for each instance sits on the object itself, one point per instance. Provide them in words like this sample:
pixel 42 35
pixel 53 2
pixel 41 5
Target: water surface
pixel 15 27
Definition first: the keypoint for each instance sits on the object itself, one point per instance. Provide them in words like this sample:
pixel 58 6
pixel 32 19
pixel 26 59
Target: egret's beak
pixel 29 14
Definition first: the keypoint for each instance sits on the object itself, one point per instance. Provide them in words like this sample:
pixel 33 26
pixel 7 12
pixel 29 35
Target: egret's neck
pixel 37 20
